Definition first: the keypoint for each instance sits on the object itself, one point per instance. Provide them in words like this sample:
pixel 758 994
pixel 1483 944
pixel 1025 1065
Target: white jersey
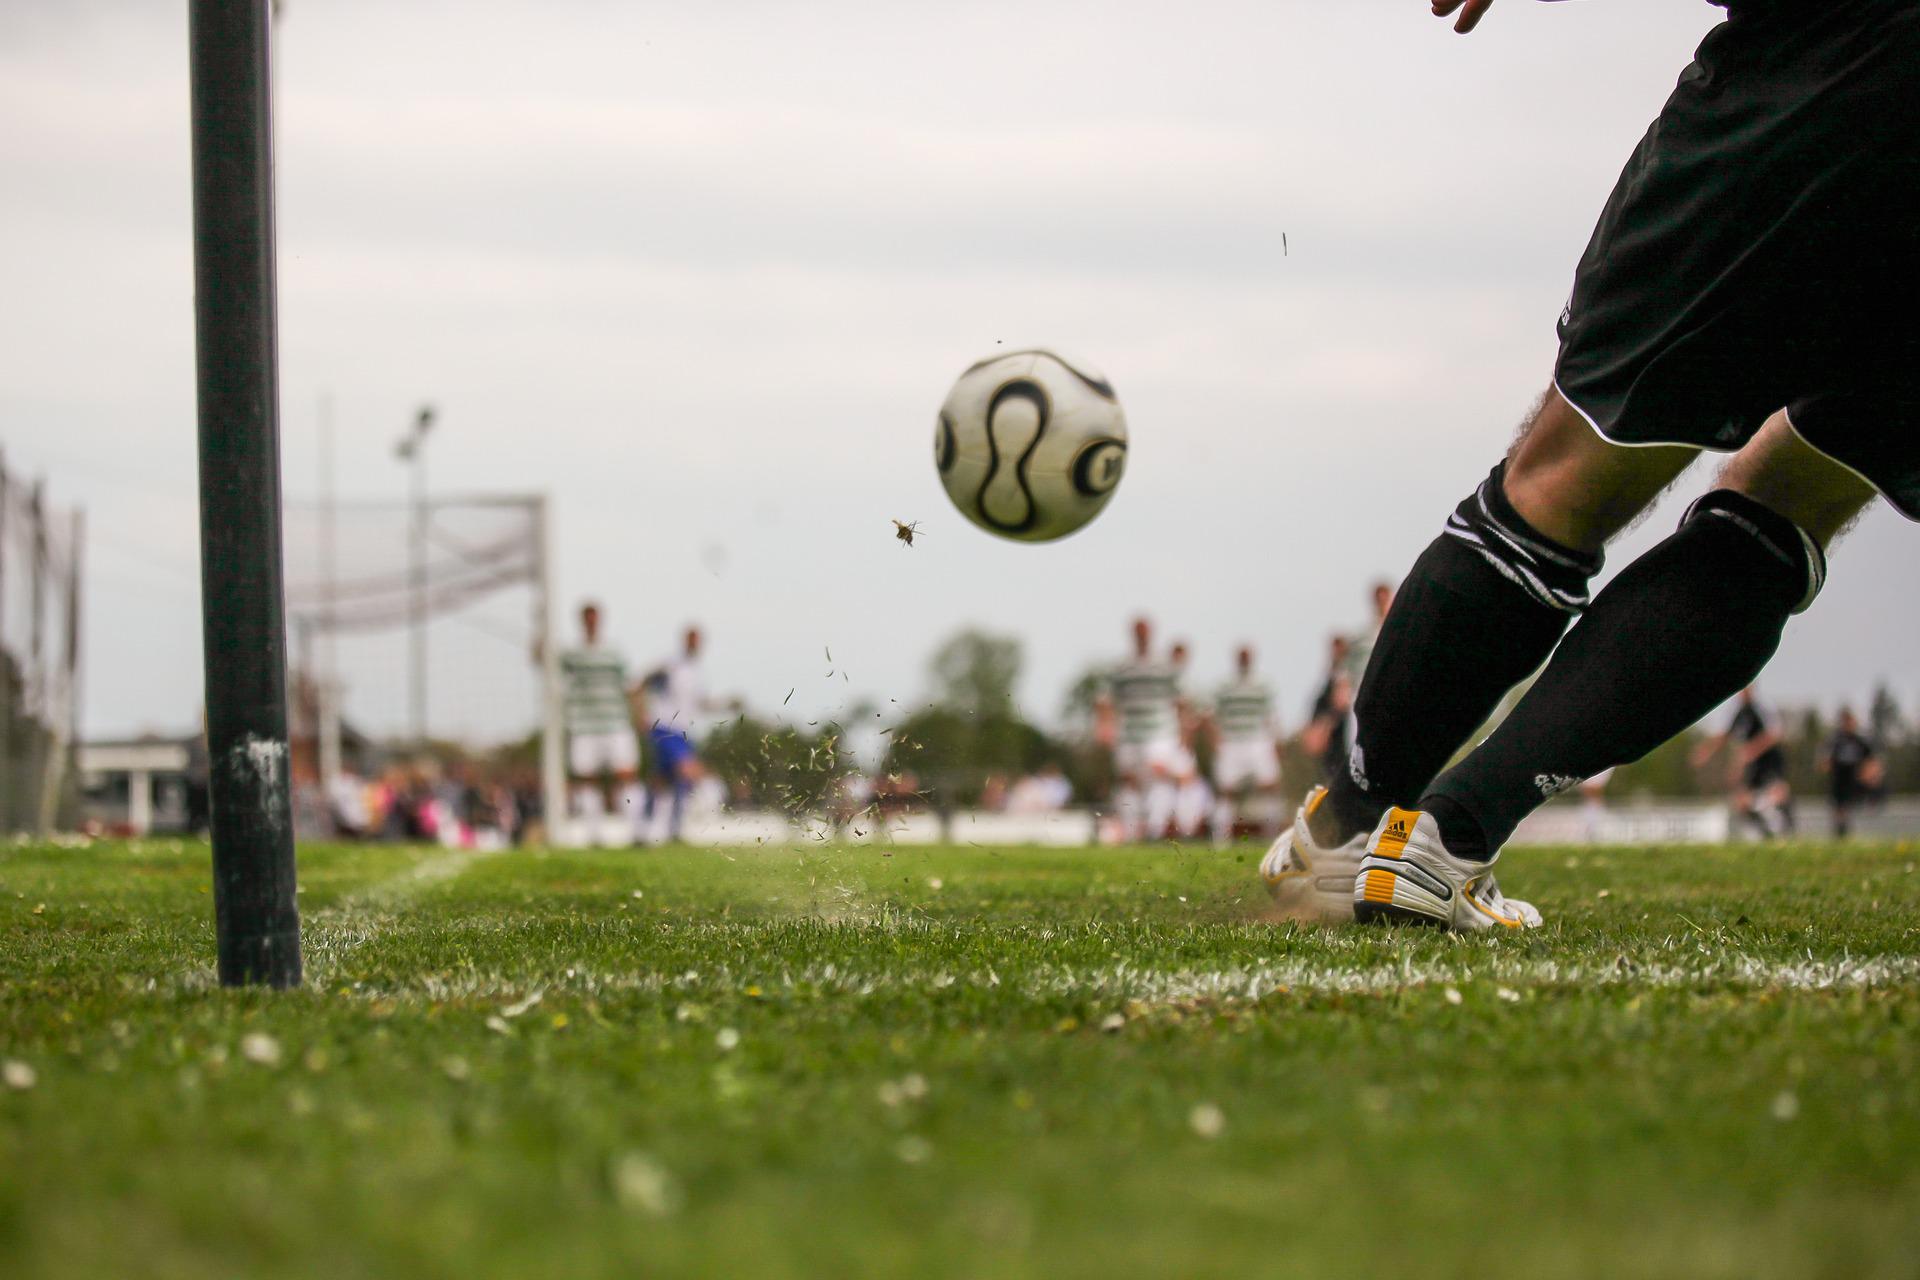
pixel 1146 694
pixel 594 690
pixel 677 697
pixel 1244 711
pixel 1359 653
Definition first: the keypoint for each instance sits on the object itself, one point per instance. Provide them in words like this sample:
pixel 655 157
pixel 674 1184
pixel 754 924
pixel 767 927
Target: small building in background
pixel 150 785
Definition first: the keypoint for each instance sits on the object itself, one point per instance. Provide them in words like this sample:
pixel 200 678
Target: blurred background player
pixel 598 715
pixel 1853 771
pixel 1326 737
pixel 676 696
pixel 1141 703
pixel 1761 793
pixel 1360 647
pixel 1246 754
pixel 1593 803
pixel 1192 797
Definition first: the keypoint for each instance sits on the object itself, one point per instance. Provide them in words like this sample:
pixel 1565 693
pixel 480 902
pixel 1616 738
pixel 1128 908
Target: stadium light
pixel 412 449
pixel 243 624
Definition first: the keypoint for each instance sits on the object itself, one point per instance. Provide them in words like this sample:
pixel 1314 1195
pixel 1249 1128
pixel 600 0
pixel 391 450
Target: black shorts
pixel 1762 249
pixel 1762 773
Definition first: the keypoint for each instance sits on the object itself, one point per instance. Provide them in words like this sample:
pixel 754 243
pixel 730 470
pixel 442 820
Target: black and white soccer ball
pixel 1031 445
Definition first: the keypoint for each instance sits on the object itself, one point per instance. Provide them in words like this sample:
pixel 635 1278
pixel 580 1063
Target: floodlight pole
pixel 242 609
pixel 412 450
pixel 553 778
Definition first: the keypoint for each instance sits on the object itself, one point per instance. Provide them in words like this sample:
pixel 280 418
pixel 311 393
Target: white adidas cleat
pixel 1309 882
pixel 1407 875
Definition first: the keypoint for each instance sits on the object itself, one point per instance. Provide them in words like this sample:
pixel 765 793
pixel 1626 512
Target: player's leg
pixel 1485 603
pixel 1740 802
pixel 1782 795
pixel 630 797
pixel 686 774
pixel 586 759
pixel 1266 788
pixel 1163 788
pixel 656 829
pixel 1842 800
pixel 618 752
pixel 1228 791
pixel 1682 629
pixel 1128 792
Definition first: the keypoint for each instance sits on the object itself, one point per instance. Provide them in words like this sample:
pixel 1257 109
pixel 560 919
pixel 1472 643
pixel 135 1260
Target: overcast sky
pixel 703 273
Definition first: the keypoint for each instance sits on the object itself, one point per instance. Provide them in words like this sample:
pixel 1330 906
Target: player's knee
pixel 1789 477
pixel 1554 575
pixel 1577 488
pixel 1798 552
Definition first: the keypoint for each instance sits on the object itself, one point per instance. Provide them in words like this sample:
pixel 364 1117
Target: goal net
pixel 39 657
pixel 420 630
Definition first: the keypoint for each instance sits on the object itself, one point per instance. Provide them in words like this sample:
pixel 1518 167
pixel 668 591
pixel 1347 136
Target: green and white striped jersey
pixel 594 690
pixel 1244 711
pixel 1146 694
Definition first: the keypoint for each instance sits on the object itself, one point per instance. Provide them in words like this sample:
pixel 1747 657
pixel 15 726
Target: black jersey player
pixel 1853 770
pixel 1761 792
pixel 1748 289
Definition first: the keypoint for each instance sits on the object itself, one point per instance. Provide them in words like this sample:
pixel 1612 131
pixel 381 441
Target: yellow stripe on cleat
pixel 1490 913
pixel 1379 887
pixel 1399 830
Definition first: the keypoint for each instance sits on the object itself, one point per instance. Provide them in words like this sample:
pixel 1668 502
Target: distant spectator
pixel 349 806
pixel 1046 791
pixel 1326 735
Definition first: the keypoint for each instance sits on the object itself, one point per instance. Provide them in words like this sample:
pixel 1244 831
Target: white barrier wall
pixel 1068 828
pixel 1566 823
pixel 1658 824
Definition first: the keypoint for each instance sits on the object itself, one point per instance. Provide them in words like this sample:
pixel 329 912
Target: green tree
pixel 973 729
pixel 974 673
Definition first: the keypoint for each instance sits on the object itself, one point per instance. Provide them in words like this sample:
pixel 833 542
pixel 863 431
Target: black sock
pixel 1683 628
pixel 1480 611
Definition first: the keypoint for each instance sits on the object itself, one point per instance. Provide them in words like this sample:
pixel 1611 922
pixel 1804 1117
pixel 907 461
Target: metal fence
pixel 40 581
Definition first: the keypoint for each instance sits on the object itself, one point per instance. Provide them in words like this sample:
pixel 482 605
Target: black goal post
pixel 242 611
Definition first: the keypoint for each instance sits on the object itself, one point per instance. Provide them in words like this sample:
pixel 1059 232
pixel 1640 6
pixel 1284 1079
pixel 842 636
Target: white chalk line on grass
pixel 1124 982
pixel 329 935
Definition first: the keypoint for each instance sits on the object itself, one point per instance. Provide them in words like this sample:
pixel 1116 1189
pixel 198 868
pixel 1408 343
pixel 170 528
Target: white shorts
pixel 1251 763
pixel 615 750
pixel 1140 759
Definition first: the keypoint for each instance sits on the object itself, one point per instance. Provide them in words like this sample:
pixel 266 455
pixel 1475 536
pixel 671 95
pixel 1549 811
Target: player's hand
pixel 1470 11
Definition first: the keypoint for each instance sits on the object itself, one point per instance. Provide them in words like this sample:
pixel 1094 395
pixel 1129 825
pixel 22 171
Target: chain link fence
pixel 40 583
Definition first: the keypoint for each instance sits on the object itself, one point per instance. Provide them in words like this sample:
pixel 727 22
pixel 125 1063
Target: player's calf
pixel 1682 629
pixel 1482 608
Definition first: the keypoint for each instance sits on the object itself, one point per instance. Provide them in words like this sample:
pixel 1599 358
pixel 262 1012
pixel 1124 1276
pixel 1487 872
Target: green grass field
pixel 964 1062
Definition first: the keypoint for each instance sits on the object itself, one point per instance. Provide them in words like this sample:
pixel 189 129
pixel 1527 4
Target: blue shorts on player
pixel 671 749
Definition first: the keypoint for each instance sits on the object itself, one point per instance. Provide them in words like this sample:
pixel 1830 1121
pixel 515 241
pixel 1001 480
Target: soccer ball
pixel 1030 446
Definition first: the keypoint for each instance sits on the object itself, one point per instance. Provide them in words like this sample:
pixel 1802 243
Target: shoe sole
pixel 1387 913
pixel 1382 895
